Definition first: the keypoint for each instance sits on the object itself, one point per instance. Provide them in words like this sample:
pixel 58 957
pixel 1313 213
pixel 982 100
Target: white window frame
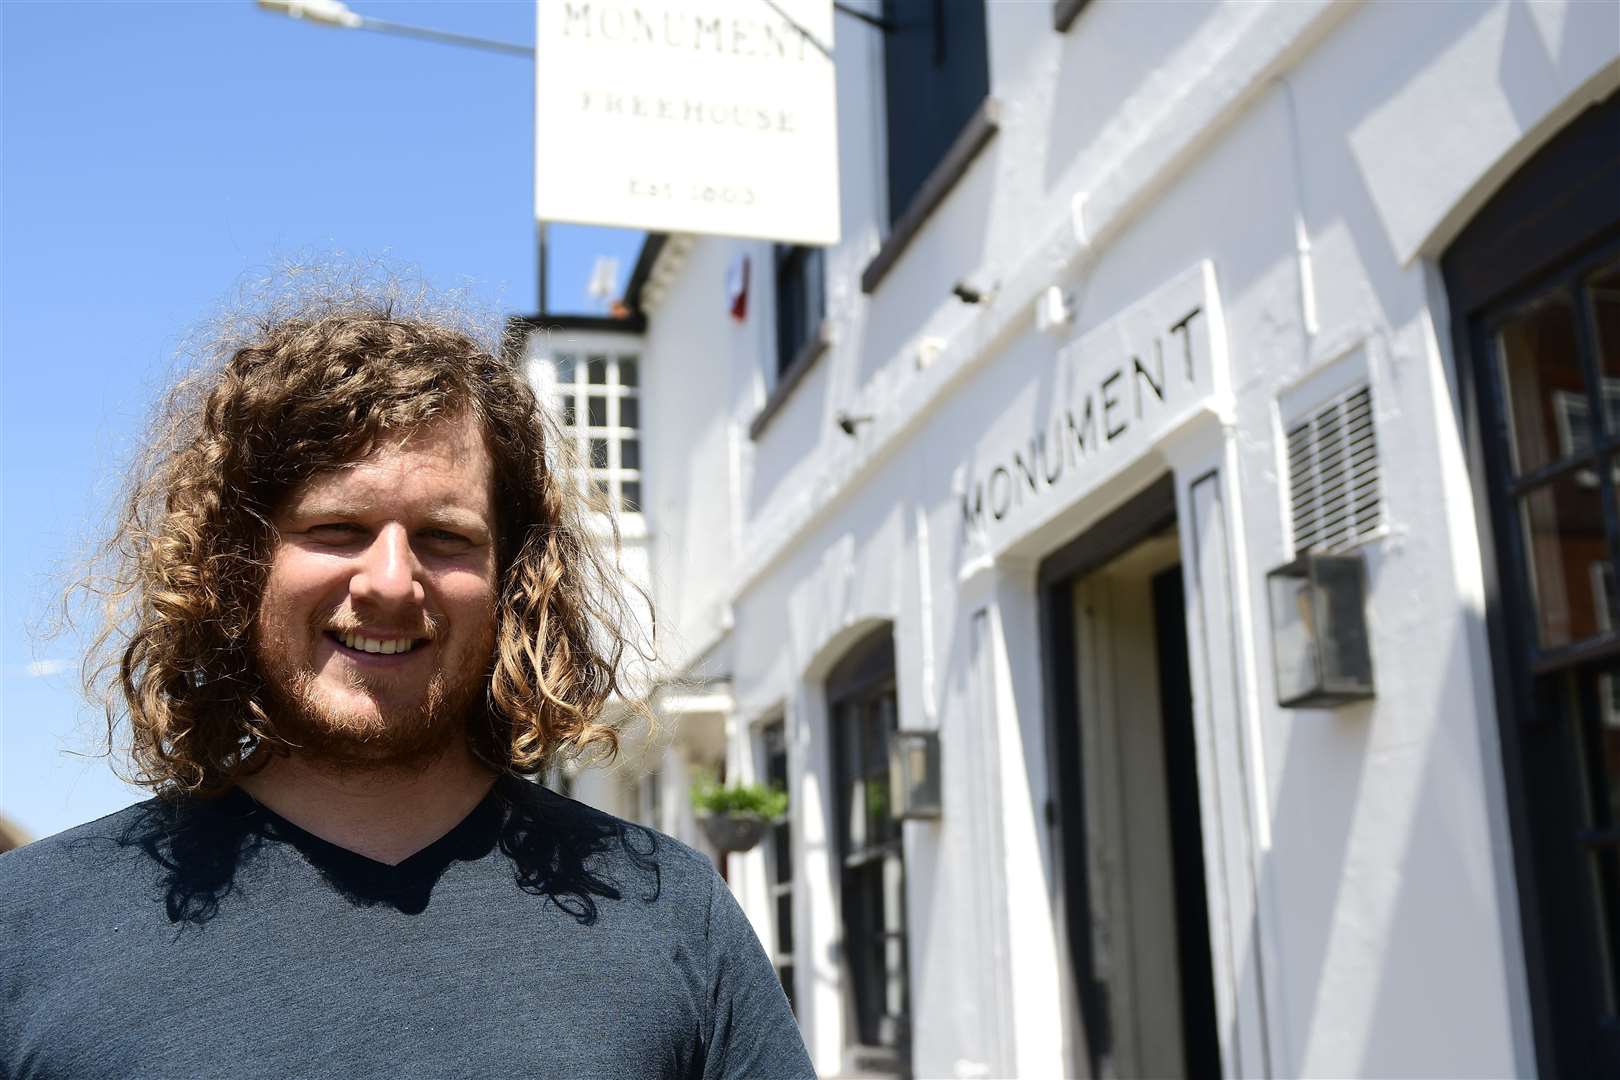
pixel 562 375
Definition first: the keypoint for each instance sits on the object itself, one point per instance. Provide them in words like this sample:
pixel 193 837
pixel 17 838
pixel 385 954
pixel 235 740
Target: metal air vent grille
pixel 1333 474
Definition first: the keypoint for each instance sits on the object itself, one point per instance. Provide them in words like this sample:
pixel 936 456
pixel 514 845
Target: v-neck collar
pixel 369 880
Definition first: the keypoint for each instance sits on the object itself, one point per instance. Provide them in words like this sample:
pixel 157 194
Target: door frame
pixel 1149 512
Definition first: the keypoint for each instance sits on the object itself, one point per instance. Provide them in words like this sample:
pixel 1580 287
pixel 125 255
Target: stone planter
pixel 734 832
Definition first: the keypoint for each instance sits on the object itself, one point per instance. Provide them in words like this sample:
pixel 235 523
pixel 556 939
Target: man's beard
pixel 394 737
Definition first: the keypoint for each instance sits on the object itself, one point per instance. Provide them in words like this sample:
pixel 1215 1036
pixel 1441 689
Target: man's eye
pixel 444 538
pixel 336 532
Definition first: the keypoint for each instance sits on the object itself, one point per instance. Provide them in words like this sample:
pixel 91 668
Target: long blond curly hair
pixel 280 396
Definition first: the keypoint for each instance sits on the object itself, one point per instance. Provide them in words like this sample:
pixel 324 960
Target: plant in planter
pixel 735 818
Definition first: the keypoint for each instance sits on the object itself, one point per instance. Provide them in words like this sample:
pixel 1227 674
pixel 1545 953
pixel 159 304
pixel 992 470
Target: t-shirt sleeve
pixel 751 1030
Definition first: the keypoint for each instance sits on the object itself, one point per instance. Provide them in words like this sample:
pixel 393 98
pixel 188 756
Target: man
pixel 353 605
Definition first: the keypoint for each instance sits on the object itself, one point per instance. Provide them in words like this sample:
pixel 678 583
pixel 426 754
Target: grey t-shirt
pixel 538 937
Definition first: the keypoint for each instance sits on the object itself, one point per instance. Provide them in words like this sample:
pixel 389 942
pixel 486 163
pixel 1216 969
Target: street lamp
pixel 337 13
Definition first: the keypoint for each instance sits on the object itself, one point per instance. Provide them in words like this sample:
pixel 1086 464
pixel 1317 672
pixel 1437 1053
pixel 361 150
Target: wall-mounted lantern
pixel 914 775
pixel 1319 631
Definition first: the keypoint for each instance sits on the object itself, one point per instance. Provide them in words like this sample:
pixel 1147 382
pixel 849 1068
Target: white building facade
pixel 1137 302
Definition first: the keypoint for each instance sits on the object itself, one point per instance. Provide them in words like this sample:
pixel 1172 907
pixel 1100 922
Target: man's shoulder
pixel 81 865
pixel 73 847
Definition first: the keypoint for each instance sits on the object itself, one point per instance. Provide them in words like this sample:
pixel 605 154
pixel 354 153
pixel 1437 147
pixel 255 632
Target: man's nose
pixel 389 574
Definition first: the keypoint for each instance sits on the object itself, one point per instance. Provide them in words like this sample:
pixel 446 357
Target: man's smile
pixel 360 644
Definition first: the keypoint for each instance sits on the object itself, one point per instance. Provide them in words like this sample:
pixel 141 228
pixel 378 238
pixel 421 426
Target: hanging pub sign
pixel 696 116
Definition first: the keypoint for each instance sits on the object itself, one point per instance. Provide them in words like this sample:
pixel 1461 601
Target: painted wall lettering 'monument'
pixel 1115 392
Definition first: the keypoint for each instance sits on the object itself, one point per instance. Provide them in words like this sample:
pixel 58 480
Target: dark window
pixel 1534 285
pixel 773 738
pixel 862 697
pixel 936 73
pixel 801 300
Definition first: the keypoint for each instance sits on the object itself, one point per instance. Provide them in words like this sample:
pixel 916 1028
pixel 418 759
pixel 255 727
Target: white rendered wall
pixel 1382 931
pixel 689 440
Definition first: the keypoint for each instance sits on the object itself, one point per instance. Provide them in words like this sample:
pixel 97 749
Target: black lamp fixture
pixel 1319 633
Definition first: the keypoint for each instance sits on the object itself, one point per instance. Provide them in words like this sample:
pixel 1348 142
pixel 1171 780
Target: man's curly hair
pixel 286 395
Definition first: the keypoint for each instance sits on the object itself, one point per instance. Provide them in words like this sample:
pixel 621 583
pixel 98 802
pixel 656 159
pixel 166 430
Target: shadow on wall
pixel 786 453
pixel 1111 52
pixel 949 249
pixel 1369 948
pixel 1334 174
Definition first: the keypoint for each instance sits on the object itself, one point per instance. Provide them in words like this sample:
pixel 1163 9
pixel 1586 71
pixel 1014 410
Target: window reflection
pixel 1541 374
pixel 1603 296
pixel 1564 539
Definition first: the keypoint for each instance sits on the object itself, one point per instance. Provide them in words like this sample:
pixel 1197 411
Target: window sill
pixel 791 376
pixel 974 137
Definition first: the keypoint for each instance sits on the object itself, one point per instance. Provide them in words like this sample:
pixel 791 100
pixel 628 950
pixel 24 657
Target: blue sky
pixel 157 155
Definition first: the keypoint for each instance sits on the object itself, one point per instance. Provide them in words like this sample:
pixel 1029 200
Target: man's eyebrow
pixel 324 506
pixel 455 518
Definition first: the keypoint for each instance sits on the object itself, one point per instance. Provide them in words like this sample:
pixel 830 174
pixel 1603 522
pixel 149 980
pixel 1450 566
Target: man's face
pixel 377 623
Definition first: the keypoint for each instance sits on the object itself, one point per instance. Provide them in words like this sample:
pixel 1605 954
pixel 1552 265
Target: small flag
pixel 604 276
pixel 737 288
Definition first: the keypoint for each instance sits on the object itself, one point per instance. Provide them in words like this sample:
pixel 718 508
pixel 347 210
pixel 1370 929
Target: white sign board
pixel 699 116
pixel 1121 388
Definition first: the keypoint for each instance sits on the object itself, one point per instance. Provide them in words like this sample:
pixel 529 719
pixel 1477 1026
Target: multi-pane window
pixel 1556 361
pixel 1562 504
pixel 1533 285
pixel 598 396
pixel 801 301
pixel 1574 414
pixel 936 73
pixel 773 740
pixel 865 715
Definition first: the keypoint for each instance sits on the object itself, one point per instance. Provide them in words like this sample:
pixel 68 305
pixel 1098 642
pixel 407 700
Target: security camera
pixel 848 423
pixel 972 292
